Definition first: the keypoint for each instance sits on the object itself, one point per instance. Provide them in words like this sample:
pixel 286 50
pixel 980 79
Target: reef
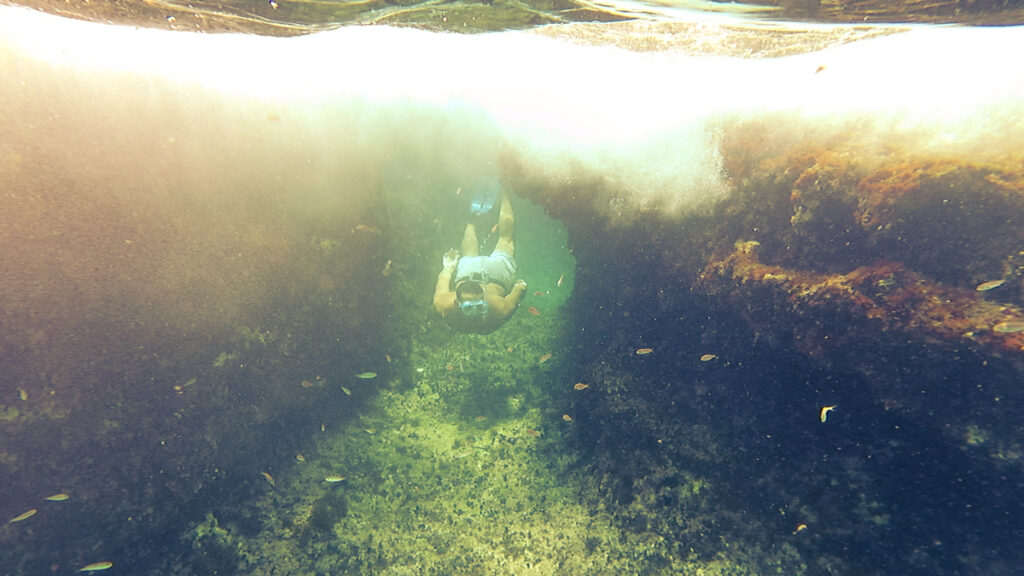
pixel 886 295
pixel 878 285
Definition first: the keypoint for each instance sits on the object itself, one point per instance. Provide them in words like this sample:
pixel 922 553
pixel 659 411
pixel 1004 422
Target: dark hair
pixel 469 288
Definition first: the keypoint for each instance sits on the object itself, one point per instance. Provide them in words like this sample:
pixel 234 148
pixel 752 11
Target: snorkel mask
pixel 473 308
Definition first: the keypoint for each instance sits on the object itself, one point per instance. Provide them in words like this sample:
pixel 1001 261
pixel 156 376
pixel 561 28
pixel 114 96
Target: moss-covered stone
pixel 213 549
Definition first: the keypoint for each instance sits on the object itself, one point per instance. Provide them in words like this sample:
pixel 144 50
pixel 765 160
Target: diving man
pixel 480 293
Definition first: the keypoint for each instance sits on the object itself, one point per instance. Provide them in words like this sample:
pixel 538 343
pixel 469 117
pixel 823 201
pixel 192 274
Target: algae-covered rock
pixel 327 511
pixel 213 549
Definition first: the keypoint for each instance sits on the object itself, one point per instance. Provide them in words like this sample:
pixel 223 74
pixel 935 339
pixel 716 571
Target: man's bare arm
pixel 444 298
pixel 513 298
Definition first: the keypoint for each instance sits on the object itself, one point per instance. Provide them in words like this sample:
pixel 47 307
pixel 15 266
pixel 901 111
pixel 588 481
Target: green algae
pixel 213 548
pixel 469 469
pixel 9 413
pixel 433 493
pixel 326 512
pixel 222 359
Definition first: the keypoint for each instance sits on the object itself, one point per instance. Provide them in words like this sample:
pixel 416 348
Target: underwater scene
pixel 550 287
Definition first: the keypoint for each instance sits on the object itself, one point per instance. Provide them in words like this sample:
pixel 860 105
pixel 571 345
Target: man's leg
pixel 470 247
pixel 506 227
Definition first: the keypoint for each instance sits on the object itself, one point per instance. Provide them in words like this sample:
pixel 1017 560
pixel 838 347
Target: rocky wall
pixel 833 351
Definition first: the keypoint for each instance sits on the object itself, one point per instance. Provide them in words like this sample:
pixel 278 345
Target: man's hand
pixel 450 258
pixel 520 284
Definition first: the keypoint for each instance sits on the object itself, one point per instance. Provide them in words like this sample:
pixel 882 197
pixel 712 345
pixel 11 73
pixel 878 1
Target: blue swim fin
pixel 484 197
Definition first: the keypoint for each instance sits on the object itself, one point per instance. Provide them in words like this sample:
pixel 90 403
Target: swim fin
pixel 484 197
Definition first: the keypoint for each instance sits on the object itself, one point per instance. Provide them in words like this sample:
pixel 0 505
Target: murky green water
pixel 774 278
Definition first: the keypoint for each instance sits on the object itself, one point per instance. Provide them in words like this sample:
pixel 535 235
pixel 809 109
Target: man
pixel 479 293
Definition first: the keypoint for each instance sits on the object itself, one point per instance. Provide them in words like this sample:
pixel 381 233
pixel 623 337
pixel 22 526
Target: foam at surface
pixel 646 121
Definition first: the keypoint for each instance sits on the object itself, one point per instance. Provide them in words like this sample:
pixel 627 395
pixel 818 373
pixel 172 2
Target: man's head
pixel 469 296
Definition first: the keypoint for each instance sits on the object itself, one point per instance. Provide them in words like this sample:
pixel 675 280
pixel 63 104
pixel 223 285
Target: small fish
pixel 644 351
pixel 544 358
pixel 708 357
pixel 538 293
pixel 273 4
pixel 300 458
pixel 580 386
pixel 388 358
pixel 494 229
pixel 307 384
pixel 533 311
pixel 458 191
pixel 367 229
pixel 566 417
pixel 268 478
pixel 96 567
pixel 532 432
pixel 346 391
pixel 387 268
pixel 366 375
pixel 1009 327
pixel 333 479
pixel 823 414
pixel 800 527
pixel 23 394
pixel 820 69
pixel 23 516
pixel 480 419
pixel 57 497
pixel 561 278
pixel 990 285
